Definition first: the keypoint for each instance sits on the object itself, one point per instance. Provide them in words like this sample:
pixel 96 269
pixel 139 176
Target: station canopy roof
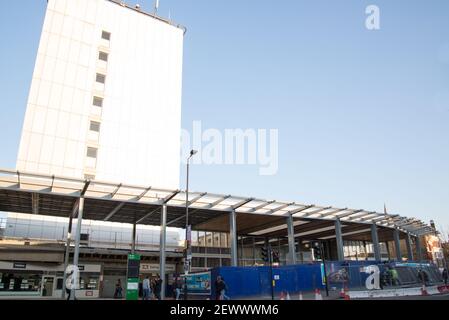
pixel 49 195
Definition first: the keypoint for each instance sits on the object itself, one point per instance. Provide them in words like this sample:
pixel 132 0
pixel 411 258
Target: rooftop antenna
pixel 156 6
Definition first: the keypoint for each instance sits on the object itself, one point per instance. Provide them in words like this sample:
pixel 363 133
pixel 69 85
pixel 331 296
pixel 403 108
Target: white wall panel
pixel 39 120
pixel 63 50
pixel 44 93
pixel 139 140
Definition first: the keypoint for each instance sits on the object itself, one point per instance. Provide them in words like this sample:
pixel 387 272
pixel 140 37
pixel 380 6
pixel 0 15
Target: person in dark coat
pixel 118 290
pixel 158 287
pixel 444 275
pixel 219 288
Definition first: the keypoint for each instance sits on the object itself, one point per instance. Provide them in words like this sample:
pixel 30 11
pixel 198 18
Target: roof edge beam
pixel 213 204
pixel 261 206
pixel 114 211
pixel 348 214
pixel 285 205
pixel 170 197
pixel 147 215
pixel 86 186
pixel 241 204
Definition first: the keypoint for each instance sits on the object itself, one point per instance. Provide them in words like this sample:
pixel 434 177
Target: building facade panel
pixel 98 60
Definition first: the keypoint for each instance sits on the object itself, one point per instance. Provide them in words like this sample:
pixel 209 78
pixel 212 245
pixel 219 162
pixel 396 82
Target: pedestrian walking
pixel 394 277
pixel 444 274
pixel 146 289
pixel 219 288
pixel 178 288
pixel 423 277
pixel 158 287
pixel 118 290
pixel 224 290
pixel 68 293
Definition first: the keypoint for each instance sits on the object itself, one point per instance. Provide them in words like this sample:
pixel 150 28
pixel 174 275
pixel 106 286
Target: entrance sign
pixel 133 272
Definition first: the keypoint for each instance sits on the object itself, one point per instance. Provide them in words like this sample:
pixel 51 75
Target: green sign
pixel 133 273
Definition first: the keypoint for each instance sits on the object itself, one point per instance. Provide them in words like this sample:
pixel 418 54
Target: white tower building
pixel 105 98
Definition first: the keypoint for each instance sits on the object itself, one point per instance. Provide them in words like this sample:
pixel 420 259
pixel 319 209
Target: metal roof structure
pixel 32 193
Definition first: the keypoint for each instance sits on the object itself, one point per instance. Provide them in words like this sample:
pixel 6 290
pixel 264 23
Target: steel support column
pixel 162 249
pixel 67 255
pixel 133 245
pixel 299 250
pixel 291 241
pixel 418 249
pixel 387 244
pixel 365 249
pixel 397 245
pixel 408 241
pixel 77 246
pixel 233 235
pixel 339 238
pixel 376 244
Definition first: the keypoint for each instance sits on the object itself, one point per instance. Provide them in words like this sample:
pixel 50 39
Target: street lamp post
pixel 188 231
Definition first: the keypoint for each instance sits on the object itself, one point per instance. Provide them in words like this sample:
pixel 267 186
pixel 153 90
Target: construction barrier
pixel 243 282
pixel 343 277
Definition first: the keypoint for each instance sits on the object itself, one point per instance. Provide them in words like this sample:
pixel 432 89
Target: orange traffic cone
pixel 282 295
pixel 318 295
pixel 347 296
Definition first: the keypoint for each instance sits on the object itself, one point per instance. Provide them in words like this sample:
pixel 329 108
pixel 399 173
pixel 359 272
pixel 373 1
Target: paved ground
pixel 417 298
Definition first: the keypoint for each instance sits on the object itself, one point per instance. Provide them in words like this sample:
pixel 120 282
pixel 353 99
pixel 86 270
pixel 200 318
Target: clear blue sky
pixel 363 116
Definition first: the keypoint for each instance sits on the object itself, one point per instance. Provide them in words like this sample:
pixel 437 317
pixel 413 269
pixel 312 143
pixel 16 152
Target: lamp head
pixel 193 152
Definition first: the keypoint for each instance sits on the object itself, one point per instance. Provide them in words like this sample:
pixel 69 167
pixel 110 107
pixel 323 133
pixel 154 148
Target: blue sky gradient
pixel 362 115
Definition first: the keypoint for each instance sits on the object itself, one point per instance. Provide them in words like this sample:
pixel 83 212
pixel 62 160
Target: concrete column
pixel 365 248
pixel 376 244
pixel 254 251
pixel 397 245
pixel 233 235
pixel 408 241
pixel 77 245
pixel 291 241
pixel 299 251
pixel 418 249
pixel 67 254
pixel 133 246
pixel 162 249
pixel 387 244
pixel 339 238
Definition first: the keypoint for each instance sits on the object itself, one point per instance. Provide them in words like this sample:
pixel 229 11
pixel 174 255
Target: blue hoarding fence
pixel 254 282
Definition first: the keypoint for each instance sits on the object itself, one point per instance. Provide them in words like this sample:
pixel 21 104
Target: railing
pixel 55 232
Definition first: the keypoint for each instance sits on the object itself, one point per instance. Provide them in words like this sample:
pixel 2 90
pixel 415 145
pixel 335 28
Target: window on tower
pixel 101 78
pixel 106 35
pixel 94 126
pixel 92 152
pixel 103 56
pixel 98 102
